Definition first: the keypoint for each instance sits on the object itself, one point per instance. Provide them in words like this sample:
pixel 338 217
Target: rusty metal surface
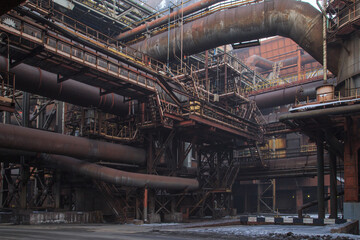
pixel 266 64
pixel 27 139
pixel 289 18
pixel 162 20
pixel 119 177
pixel 286 95
pixel 349 109
pixel 37 81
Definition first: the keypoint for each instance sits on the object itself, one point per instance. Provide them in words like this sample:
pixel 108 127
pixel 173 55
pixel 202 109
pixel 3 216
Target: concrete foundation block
pixel 352 210
pixel 154 218
pixel 137 222
pixel 175 217
pixel 57 217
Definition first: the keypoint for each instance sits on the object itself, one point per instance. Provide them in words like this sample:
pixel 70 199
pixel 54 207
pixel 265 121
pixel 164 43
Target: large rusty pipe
pixel 288 18
pixel 162 20
pixel 286 95
pixel 321 112
pixel 119 177
pixel 37 81
pixel 27 139
pixel 258 61
pixel 7 5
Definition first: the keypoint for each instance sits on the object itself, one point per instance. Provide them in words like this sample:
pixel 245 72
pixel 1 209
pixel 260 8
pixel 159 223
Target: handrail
pixel 205 12
pixel 346 15
pixel 347 95
pixel 100 39
pixel 293 78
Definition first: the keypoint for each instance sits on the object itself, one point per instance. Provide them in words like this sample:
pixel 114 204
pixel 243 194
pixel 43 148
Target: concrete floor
pixel 166 232
pixel 121 232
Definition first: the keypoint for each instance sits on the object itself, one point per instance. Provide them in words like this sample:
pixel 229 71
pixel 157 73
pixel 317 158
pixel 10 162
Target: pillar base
pixel 175 217
pixel 352 210
pixel 153 218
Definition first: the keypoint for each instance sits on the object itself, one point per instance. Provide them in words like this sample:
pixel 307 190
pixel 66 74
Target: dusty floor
pixel 166 231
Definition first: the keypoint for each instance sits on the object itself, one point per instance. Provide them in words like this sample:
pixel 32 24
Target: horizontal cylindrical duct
pixel 288 18
pixel 266 64
pixel 37 81
pixel 27 139
pixel 286 95
pixel 119 177
pixel 321 112
pixel 162 20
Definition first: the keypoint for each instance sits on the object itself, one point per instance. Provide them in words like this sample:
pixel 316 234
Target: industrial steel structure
pixel 165 115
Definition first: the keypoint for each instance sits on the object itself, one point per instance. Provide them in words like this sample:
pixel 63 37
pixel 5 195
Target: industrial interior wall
pixel 349 64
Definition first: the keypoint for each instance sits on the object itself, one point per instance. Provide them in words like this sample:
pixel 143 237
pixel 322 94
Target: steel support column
pixel 299 198
pixel 24 170
pixel 60 117
pixel 145 213
pixel 57 188
pixel 333 186
pixel 320 177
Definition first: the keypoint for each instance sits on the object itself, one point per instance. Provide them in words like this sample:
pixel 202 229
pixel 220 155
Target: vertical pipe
pixel 324 42
pixel 274 194
pixel 24 169
pixel 59 116
pixel 145 204
pixel 150 158
pixel 182 32
pixel 25 109
pixel 258 196
pixel 333 186
pixel 142 113
pixel 168 40
pixel 299 64
pixel 151 202
pixel 207 69
pixel 57 188
pixel 246 199
pixel 225 71
pixel 137 212
pixel 299 201
pixel 320 177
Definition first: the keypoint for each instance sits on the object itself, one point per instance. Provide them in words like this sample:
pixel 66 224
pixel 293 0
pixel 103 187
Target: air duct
pixel 287 95
pixel 258 61
pixel 288 18
pixel 37 81
pixel 119 177
pixel 27 139
pixel 162 20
